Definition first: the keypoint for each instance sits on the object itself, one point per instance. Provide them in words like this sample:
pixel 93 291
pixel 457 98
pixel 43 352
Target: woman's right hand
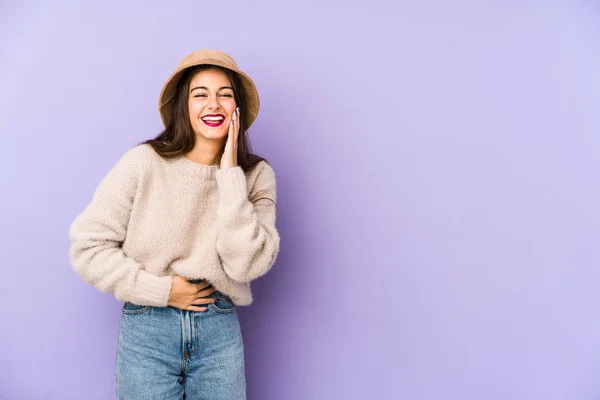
pixel 190 296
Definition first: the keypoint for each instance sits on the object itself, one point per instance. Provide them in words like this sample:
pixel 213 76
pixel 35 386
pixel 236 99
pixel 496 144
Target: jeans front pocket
pixel 223 305
pixel 132 309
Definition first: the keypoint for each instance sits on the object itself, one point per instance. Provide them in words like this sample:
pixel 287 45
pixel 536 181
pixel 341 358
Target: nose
pixel 213 103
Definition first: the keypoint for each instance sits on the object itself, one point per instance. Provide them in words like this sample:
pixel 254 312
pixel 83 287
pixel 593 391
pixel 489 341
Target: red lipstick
pixel 213 120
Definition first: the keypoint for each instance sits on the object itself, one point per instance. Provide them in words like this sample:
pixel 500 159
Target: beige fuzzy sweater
pixel 151 218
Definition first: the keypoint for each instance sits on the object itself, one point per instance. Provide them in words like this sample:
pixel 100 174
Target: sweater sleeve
pixel 247 239
pixel 98 233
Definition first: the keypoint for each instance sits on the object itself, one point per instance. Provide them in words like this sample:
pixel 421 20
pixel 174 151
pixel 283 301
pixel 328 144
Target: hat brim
pixel 169 90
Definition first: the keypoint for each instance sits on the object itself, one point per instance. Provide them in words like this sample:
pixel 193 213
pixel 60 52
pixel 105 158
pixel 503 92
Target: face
pixel 211 104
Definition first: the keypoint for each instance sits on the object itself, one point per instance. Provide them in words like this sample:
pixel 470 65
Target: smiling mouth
pixel 213 121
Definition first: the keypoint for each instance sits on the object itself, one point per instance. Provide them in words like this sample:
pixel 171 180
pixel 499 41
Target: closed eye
pixel 203 95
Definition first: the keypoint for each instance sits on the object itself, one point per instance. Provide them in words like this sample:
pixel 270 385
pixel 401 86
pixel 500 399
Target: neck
pixel 207 152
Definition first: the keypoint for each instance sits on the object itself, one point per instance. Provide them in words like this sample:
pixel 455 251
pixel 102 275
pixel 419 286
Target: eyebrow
pixel 205 88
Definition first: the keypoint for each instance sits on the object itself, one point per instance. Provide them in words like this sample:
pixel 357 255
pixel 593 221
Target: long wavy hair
pixel 178 138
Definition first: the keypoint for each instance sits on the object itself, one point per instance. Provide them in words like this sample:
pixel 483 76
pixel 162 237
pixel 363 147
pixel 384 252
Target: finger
pixel 237 128
pixel 203 285
pixel 205 292
pixel 232 127
pixel 197 309
pixel 228 142
pixel 200 301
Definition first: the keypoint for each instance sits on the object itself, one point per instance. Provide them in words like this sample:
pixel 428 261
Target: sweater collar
pixel 194 168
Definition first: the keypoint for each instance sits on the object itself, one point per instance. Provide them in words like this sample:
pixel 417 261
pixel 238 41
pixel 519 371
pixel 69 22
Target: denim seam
pixel 222 310
pixel 184 337
pixel 140 311
pixel 196 338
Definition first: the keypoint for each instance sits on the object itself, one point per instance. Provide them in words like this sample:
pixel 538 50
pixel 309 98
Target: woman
pixel 178 229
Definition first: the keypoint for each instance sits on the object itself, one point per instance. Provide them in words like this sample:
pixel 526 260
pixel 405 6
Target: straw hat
pixel 207 57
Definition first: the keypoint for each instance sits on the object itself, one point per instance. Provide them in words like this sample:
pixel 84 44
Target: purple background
pixel 438 183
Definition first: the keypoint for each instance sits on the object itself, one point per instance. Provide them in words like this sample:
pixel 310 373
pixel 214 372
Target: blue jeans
pixel 166 353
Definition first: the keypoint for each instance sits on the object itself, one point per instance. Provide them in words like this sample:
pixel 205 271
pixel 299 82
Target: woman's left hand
pixel 229 157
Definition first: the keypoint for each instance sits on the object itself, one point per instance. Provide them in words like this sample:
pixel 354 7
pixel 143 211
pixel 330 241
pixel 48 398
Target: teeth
pixel 212 118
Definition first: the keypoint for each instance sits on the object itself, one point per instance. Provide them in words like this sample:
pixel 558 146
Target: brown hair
pixel 178 138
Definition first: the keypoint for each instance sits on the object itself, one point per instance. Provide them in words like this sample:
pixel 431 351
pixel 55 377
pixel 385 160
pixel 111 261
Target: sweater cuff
pixel 232 185
pixel 152 290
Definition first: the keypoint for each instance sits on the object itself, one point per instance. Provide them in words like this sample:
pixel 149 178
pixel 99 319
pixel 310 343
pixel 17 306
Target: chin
pixel 212 134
